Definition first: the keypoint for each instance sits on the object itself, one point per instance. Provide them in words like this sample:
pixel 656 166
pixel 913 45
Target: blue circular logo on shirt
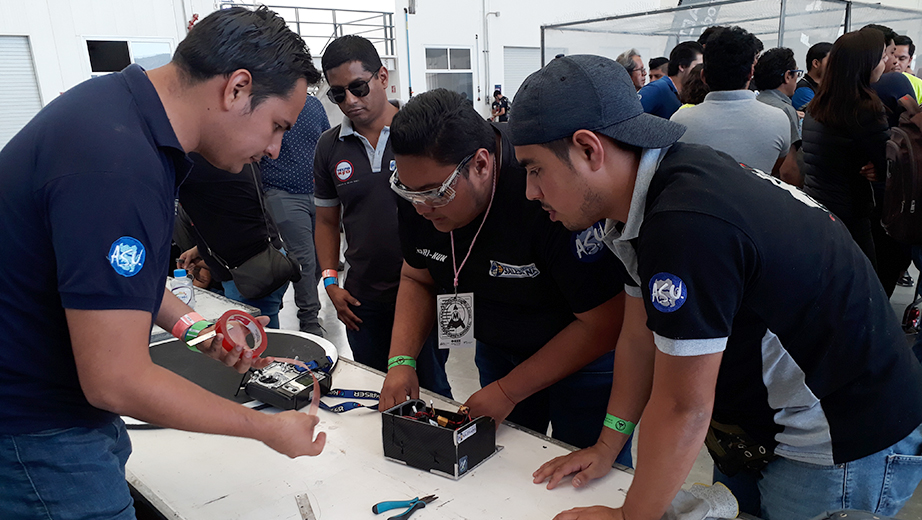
pixel 587 246
pixel 667 292
pixel 127 256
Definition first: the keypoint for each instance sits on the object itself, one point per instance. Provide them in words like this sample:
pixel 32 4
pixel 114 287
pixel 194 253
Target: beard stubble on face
pixel 589 211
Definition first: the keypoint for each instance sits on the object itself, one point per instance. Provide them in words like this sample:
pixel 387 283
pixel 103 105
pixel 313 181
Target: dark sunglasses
pixel 358 88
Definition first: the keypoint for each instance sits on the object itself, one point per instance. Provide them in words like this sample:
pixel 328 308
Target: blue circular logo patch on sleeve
pixel 667 292
pixel 127 256
pixel 587 245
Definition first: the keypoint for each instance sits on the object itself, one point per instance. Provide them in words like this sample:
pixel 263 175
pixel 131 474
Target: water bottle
pixel 182 287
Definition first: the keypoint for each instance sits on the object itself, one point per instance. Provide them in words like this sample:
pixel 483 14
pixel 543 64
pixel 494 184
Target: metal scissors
pixel 412 505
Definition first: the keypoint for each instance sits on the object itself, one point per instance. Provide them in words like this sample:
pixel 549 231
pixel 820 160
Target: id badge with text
pixel 455 320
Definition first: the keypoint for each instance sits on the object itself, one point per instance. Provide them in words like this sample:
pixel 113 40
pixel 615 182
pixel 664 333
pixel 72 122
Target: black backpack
pixel 902 208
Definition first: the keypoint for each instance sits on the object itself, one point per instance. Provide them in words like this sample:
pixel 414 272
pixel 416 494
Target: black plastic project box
pixel 448 452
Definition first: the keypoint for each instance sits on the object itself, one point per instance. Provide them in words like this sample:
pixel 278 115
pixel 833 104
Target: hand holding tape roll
pixel 233 324
pixel 236 328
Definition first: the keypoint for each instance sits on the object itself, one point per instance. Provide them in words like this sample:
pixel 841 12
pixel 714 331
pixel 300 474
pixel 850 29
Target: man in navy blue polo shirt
pixel 661 97
pixel 87 192
pixel 793 366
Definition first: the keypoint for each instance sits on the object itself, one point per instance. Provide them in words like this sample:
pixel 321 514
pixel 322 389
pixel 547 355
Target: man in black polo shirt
pixel 545 303
pixel 87 191
pixel 352 165
pixel 799 357
pixel 500 107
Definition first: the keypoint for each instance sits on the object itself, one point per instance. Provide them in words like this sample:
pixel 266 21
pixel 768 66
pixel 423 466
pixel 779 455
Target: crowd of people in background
pixel 833 148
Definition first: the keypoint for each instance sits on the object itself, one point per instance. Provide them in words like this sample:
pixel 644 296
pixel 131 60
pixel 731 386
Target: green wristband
pixel 619 425
pixel 401 360
pixel 193 332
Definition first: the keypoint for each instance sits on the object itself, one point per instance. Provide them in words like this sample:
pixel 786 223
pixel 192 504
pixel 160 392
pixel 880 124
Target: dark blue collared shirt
pixel 293 171
pixel 660 98
pixel 87 192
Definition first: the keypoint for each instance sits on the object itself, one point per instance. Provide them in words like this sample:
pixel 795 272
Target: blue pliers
pixel 412 505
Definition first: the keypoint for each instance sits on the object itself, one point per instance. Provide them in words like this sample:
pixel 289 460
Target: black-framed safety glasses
pixel 434 198
pixel 358 88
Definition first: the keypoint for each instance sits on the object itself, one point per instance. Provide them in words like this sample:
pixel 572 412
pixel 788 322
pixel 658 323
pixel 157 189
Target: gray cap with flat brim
pixel 585 92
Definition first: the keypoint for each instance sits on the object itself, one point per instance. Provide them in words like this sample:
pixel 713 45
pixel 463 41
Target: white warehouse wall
pixel 459 24
pixel 58 30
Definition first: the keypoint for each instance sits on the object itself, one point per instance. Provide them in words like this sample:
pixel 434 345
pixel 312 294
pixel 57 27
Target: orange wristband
pixel 180 327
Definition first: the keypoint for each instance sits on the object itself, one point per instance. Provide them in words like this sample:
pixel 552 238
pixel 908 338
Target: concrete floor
pixel 462 374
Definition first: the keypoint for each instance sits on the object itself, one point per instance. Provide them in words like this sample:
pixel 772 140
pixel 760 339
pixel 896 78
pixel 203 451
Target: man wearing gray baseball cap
pixel 774 357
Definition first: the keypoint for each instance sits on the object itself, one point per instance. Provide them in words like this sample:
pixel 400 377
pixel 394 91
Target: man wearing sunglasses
pixel 545 305
pixel 352 165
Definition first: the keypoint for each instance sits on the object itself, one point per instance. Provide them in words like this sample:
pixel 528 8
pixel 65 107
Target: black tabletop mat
pixel 224 381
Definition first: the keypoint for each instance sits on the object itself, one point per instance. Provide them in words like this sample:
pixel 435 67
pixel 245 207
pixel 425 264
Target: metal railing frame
pixel 846 23
pixel 382 32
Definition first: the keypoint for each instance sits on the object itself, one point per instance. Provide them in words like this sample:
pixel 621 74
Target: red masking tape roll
pixel 238 319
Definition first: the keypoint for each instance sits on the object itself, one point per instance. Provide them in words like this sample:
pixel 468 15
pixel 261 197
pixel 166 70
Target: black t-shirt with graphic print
pixel 528 275
pixel 814 361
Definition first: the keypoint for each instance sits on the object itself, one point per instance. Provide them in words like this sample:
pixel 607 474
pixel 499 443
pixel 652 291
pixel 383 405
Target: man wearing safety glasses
pixel 352 165
pixel 541 301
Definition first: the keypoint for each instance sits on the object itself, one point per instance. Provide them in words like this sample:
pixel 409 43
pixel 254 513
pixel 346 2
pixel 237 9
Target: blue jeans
pixel 295 218
pixel 66 474
pixel 372 343
pixel 575 406
pixel 880 483
pixel 269 306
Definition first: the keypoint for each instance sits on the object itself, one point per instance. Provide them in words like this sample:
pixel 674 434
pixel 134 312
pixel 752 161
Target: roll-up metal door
pixel 19 94
pixel 518 64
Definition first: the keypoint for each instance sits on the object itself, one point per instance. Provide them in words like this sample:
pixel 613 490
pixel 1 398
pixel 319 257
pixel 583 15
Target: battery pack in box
pixel 442 450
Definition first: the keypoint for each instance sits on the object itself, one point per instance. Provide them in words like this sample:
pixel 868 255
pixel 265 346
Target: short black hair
pixel 656 63
pixel 442 125
pixel 818 52
pixel 256 40
pixel 902 39
pixel 728 58
pixel 497 93
pixel 773 64
pixel 707 33
pixel 889 34
pixel 348 48
pixel 683 55
pixel 561 148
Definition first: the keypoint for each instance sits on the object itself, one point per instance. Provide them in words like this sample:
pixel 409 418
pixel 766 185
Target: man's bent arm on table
pixel 633 376
pixel 116 374
pixel 413 319
pixel 585 339
pixel 675 424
